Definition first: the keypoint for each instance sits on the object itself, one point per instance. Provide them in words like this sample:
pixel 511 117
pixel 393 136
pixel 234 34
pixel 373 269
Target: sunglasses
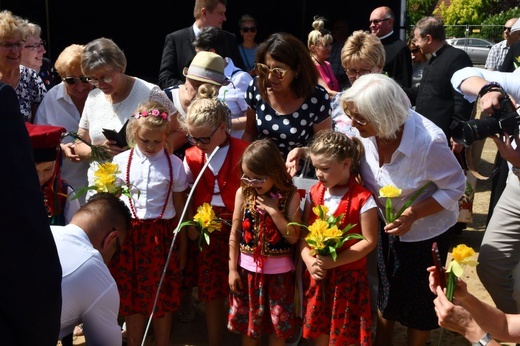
pixel 249 29
pixel 253 182
pixel 415 50
pixel 507 28
pixel 265 70
pixel 35 46
pixel 74 80
pixel 359 122
pixel 201 140
pixel 377 21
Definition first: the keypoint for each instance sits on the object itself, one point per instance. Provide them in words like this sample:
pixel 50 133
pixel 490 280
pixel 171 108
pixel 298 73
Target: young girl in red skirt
pixel 158 195
pixel 207 126
pixel 262 247
pixel 337 299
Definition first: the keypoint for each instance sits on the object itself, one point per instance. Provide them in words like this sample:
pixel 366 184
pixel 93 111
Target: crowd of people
pixel 219 140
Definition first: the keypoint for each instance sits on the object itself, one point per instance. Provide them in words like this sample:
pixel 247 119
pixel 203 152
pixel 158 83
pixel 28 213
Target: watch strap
pixel 486 339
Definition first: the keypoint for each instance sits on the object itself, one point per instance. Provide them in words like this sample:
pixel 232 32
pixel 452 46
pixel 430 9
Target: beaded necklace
pixel 349 198
pixel 132 207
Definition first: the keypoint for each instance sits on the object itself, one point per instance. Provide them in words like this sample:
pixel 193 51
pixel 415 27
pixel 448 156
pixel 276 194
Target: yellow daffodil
pixel 389 192
pixel 207 222
pixel 462 257
pixel 105 181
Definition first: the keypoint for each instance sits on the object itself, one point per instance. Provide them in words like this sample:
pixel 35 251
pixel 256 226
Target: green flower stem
pixel 450 285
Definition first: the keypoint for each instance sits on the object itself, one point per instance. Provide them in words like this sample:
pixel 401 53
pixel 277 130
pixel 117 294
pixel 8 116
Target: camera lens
pixel 478 129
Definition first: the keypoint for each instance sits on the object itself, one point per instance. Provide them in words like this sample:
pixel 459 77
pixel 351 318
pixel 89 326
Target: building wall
pixel 141 34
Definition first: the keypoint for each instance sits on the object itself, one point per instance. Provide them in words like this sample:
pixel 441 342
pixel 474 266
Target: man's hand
pixel 504 146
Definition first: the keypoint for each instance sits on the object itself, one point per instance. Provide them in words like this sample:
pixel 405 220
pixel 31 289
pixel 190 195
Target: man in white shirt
pixel 85 246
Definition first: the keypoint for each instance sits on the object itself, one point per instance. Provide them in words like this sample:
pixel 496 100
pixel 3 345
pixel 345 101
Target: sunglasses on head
pixel 74 80
pixel 249 29
pixel 265 70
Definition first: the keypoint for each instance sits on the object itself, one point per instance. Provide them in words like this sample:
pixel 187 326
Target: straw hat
pixel 207 67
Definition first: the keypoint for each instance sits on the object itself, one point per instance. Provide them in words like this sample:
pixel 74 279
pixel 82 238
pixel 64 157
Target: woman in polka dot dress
pixel 285 101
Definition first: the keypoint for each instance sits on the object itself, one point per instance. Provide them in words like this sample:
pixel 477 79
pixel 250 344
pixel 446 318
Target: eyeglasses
pixel 265 70
pixel 35 46
pixel 359 122
pixel 507 28
pixel 74 80
pixel 253 182
pixel 95 81
pixel 415 50
pixel 377 21
pixel 201 140
pixel 352 73
pixel 9 45
pixel 249 29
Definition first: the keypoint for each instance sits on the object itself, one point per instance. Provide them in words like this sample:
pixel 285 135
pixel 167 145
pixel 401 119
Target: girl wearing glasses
pixel 285 101
pixel 207 126
pixel 344 317
pixel 262 248
pixel 158 194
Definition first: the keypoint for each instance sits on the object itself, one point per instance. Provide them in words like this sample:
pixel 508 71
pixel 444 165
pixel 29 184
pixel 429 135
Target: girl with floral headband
pixel 158 193
pixel 262 248
pixel 207 125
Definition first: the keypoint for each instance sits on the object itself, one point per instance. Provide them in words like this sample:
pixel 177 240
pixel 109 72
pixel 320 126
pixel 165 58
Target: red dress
pixel 345 315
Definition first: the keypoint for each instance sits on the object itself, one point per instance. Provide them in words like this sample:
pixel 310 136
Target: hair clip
pixel 153 112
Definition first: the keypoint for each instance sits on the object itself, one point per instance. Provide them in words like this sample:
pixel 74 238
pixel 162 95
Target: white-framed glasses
pixel 252 182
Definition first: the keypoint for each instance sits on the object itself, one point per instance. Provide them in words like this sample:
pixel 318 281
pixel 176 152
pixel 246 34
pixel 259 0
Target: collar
pixel 138 155
pixel 196 29
pixel 387 35
pixel 407 146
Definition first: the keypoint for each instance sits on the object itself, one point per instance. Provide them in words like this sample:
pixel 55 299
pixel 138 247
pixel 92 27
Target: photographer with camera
pixel 500 248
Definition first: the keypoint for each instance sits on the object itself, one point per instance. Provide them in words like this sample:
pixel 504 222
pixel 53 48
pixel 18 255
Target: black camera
pixel 504 119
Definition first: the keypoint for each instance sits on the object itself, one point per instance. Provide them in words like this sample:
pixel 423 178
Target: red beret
pixel 44 140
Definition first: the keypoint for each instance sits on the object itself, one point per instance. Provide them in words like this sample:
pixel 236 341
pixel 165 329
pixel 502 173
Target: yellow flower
pixel 105 181
pixel 389 191
pixel 321 211
pixel 207 219
pixel 462 256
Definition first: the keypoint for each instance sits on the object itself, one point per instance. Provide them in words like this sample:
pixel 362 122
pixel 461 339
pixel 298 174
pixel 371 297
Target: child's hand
pixel 267 204
pixel 193 233
pixel 317 271
pixel 326 262
pixel 235 283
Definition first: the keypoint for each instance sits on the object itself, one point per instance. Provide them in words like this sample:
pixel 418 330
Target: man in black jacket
pixel 398 62
pixel 30 293
pixel 178 50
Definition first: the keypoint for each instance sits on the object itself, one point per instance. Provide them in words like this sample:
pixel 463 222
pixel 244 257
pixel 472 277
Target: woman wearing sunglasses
pixel 62 106
pixel 419 61
pixel 285 101
pixel 249 46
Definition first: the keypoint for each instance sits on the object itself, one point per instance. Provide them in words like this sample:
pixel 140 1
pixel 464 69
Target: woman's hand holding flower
pixel 401 225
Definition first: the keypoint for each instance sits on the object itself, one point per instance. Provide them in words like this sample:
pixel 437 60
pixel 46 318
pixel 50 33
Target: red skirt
pixel 139 267
pixel 345 313
pixel 264 307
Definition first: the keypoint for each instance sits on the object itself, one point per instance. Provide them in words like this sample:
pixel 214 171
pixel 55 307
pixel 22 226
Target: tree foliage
pixel 463 11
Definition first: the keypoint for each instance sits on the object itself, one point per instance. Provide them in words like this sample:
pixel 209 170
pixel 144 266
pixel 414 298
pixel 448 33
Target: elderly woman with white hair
pixel 405 150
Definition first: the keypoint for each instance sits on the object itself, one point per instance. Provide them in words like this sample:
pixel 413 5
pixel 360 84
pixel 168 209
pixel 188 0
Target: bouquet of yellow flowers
pixel 324 236
pixel 105 181
pixel 390 192
pixel 207 222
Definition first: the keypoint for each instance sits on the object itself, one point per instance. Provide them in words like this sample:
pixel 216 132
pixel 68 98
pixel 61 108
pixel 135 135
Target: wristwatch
pixel 516 171
pixel 484 341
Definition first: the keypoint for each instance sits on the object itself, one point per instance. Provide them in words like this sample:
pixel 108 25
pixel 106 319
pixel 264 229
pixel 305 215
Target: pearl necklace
pixel 132 207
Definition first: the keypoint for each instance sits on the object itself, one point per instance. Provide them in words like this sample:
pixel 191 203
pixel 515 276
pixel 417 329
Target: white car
pixel 477 48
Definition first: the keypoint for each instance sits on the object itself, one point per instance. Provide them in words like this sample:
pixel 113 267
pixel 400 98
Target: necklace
pixel 132 207
pixel 349 198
